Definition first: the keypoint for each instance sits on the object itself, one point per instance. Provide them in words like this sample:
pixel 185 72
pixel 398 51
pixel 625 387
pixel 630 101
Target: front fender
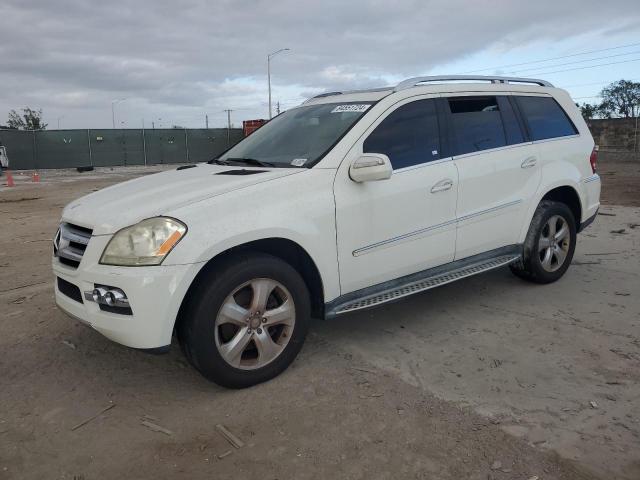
pixel 301 210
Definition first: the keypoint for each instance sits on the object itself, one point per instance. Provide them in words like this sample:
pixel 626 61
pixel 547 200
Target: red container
pixel 250 126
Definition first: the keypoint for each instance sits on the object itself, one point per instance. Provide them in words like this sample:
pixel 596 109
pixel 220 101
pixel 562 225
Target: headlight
pixel 146 243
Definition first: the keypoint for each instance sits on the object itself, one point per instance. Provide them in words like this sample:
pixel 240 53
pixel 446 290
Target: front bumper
pixel 155 294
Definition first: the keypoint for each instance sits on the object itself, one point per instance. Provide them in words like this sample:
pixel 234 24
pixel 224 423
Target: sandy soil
pixel 454 383
pixel 620 183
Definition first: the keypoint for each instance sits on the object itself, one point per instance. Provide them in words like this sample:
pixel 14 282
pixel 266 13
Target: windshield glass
pixel 297 137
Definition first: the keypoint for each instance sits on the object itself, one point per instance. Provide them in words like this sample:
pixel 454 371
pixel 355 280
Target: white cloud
pixel 187 58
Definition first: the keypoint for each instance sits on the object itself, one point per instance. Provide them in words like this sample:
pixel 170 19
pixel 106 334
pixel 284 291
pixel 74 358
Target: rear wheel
pixel 246 320
pixel 549 245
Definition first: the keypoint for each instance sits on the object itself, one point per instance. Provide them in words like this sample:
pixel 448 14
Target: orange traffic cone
pixel 10 182
pixel 35 178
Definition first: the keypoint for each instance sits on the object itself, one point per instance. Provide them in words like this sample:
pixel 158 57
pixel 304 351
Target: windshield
pixel 297 137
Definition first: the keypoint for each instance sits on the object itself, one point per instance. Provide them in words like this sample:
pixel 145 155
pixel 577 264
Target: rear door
pixel 498 169
pixel 405 224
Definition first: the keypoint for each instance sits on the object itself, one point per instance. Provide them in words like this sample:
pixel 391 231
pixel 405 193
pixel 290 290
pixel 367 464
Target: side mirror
pixel 370 167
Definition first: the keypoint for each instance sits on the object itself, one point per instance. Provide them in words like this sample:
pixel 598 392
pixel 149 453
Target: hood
pixel 107 211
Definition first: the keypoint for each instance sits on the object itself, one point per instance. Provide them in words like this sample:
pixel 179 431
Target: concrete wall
pixel 618 138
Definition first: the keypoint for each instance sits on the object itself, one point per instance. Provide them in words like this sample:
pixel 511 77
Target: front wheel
pixel 549 245
pixel 246 320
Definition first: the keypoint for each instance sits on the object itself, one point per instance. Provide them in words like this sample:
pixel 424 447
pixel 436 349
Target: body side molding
pixel 418 233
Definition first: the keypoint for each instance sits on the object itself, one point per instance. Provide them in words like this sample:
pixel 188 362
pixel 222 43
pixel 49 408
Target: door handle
pixel 529 162
pixel 442 185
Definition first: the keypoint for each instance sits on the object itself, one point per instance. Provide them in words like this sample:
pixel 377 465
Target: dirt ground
pixel 486 378
pixel 620 183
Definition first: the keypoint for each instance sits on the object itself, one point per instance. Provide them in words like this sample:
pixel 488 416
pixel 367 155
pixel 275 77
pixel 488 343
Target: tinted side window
pixel 511 124
pixel 545 118
pixel 408 136
pixel 477 124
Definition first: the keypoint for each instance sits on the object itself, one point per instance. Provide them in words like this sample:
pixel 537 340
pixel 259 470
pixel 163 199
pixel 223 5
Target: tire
pixel 547 257
pixel 243 344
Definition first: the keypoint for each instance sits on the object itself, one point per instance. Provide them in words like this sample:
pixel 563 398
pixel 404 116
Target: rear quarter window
pixel 545 118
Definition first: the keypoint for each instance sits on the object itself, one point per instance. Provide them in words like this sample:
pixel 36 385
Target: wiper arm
pixel 251 161
pixel 217 161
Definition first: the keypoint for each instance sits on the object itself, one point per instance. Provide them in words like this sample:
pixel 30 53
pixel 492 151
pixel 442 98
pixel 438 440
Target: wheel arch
pixel 569 196
pixel 564 192
pixel 283 248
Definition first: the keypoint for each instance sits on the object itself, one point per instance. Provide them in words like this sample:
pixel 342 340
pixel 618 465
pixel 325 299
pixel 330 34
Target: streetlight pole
pixel 228 110
pixel 273 54
pixel 113 114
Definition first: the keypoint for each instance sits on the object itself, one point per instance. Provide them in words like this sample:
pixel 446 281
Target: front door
pixel 405 224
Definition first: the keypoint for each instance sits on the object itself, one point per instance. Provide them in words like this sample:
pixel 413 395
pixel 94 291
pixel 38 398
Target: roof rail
pixel 327 94
pixel 415 81
pixel 412 82
pixel 367 90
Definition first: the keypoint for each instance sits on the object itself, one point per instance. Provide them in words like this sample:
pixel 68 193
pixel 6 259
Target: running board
pixel 416 283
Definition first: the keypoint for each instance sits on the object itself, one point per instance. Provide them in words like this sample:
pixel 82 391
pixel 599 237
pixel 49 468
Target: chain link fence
pixel 29 150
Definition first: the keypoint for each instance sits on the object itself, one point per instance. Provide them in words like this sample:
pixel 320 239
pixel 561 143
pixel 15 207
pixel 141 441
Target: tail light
pixel 593 159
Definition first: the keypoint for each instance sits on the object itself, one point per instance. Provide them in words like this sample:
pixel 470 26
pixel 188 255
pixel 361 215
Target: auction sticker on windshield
pixel 362 107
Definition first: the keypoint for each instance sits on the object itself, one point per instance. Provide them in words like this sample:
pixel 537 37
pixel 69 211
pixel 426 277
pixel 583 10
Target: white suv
pixel 351 200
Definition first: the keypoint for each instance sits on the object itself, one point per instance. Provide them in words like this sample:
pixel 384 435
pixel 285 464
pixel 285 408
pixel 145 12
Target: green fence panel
pixel 62 148
pixel 205 144
pixel 116 147
pixel 167 145
pixel 20 149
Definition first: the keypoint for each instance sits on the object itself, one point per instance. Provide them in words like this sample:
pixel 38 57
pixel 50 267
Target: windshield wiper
pixel 250 161
pixel 217 161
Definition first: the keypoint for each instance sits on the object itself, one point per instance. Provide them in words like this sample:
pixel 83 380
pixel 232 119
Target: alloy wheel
pixel 255 323
pixel 554 243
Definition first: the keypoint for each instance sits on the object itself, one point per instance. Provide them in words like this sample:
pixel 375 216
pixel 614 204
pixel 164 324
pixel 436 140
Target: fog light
pixel 110 298
pixel 106 295
pixel 116 298
pixel 98 294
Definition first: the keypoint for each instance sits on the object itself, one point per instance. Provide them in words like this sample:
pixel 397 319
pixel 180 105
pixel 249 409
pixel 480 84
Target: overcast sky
pixel 176 61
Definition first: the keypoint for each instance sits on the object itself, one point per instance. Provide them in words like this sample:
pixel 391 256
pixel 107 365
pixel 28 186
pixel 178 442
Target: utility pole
pixel 206 121
pixel 273 54
pixel 228 125
pixel 278 108
pixel 60 118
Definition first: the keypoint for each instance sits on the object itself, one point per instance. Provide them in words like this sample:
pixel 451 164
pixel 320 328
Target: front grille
pixel 70 290
pixel 70 243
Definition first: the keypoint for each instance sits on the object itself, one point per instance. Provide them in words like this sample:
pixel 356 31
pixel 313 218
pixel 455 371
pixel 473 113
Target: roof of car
pixel 456 82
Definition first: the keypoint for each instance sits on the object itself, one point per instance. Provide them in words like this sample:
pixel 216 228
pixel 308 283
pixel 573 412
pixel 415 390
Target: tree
pixel 29 120
pixel 620 99
pixel 588 110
